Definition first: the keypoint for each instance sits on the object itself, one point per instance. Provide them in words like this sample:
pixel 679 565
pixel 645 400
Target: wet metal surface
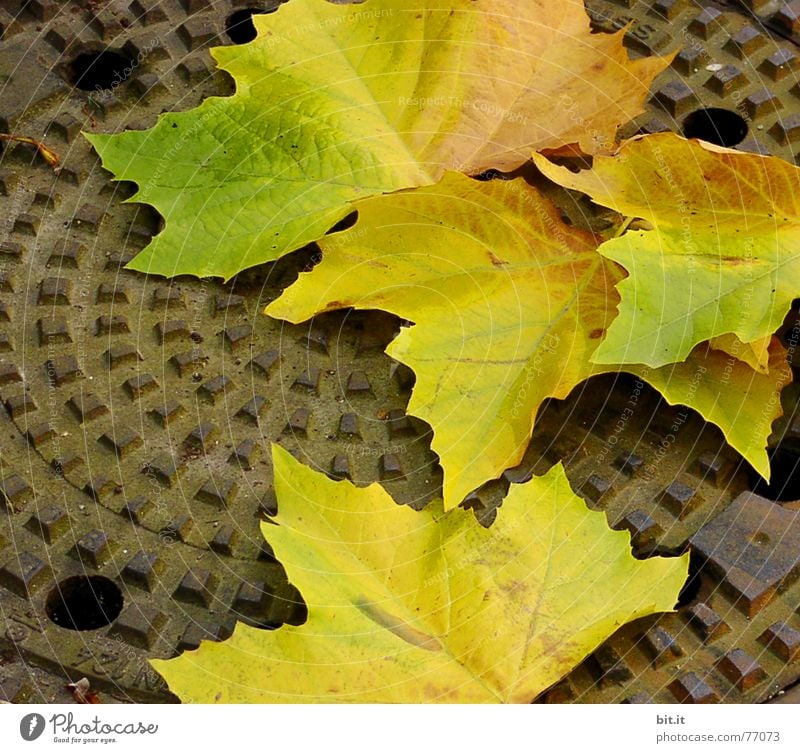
pixel 137 412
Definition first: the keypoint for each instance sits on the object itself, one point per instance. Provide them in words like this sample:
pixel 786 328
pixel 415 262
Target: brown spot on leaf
pixel 596 334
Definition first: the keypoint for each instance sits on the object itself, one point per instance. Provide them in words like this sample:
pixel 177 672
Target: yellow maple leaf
pixel 414 607
pixel 335 103
pixel 720 256
pixel 509 305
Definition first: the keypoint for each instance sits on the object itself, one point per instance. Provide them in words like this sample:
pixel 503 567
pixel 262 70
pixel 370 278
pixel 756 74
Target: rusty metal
pixel 137 412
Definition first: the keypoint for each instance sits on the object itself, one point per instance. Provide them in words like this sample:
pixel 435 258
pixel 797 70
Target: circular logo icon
pixel 31 726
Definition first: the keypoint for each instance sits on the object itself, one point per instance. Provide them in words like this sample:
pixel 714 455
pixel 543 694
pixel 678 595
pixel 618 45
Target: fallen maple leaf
pixel 726 391
pixel 754 354
pixel 334 104
pixel 407 606
pixel 509 305
pixel 723 254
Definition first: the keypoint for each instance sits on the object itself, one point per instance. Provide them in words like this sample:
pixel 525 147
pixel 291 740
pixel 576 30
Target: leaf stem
pixel 47 153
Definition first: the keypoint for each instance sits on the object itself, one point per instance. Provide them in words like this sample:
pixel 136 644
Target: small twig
pixel 47 153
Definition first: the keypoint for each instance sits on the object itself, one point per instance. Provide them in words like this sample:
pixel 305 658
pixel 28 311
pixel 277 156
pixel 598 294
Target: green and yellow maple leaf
pixel 509 305
pixel 755 354
pixel 335 103
pixel 722 257
pixel 407 606
pixel 729 393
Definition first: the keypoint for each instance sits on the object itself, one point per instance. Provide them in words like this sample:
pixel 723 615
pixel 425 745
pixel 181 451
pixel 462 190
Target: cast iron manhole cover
pixel 137 412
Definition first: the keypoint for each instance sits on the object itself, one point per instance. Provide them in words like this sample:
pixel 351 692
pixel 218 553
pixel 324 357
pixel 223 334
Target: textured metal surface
pixel 137 413
pixel 741 603
pixel 726 59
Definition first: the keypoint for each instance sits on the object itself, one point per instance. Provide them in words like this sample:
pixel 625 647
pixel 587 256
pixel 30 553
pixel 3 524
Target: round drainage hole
pixel 716 125
pixel 93 71
pixel 784 484
pixel 84 603
pixel 240 27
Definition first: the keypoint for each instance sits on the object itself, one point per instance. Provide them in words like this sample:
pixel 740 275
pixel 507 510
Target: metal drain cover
pixel 137 412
